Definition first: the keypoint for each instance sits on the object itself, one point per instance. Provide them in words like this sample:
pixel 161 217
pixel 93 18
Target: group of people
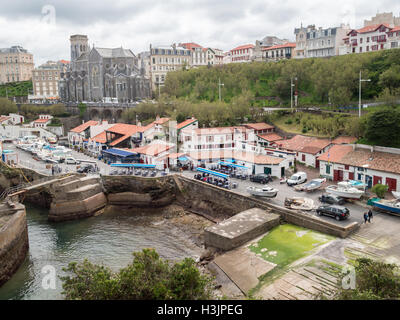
pixel 368 216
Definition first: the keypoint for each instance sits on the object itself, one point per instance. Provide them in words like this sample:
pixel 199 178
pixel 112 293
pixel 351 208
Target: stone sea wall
pixel 14 242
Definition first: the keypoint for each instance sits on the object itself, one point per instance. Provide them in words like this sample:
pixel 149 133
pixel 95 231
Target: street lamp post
pixel 219 88
pixel 291 92
pixel 359 92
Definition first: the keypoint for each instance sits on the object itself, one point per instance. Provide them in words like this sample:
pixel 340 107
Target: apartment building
pixel 279 52
pixel 45 80
pixel 325 42
pixel 393 38
pixel 16 64
pixel 366 39
pixel 198 54
pixel 243 53
pixel 219 138
pixel 312 42
pixel 164 59
pixel 266 42
pixel 301 40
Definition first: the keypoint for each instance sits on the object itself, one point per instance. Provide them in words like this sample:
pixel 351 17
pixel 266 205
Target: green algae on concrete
pixel 287 243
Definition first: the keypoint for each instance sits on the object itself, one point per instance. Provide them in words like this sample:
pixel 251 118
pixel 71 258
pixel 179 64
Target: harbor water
pixel 108 239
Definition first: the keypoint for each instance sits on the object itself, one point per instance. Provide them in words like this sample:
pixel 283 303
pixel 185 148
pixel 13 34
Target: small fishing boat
pixel 345 191
pixel 353 184
pixel 311 185
pixel 298 203
pixel 267 192
pixel 282 180
pixel 389 206
pixel 396 194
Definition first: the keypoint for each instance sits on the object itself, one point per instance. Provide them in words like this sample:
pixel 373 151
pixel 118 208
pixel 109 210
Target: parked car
pixel 332 199
pixel 85 169
pixel 334 211
pixel 71 160
pixel 260 178
pixel 297 178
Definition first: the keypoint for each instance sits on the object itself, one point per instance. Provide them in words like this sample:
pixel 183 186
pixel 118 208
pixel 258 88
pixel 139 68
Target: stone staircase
pixel 77 197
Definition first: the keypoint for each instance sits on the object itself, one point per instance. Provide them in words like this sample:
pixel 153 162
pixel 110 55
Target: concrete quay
pixel 240 229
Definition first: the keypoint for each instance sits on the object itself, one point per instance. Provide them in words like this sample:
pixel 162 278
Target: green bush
pixel 380 190
pixel 304 130
pixel 148 277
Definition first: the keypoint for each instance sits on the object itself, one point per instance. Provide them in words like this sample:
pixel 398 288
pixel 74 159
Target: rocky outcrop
pixel 14 242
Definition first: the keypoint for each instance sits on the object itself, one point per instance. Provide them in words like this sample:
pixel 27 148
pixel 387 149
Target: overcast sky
pixel 44 27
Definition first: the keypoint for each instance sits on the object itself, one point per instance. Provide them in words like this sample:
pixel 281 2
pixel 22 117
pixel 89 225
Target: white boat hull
pixel 351 193
pixel 396 194
pixel 262 192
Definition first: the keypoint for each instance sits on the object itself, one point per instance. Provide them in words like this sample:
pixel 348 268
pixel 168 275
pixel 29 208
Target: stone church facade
pixel 98 74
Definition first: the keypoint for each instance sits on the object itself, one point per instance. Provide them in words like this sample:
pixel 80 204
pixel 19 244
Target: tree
pixel 82 109
pixel 380 190
pixel 374 280
pixel 383 127
pixel 7 106
pixel 148 277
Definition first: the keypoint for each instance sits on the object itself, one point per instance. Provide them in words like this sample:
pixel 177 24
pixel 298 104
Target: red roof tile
pixel 296 143
pixel 42 120
pixel 281 46
pixel 101 137
pixel 259 126
pixel 344 140
pixel 316 146
pixel 335 153
pixel 246 46
pixel 4 118
pixel 370 28
pixel 185 123
pixel 152 149
pixel 270 137
pixel 84 126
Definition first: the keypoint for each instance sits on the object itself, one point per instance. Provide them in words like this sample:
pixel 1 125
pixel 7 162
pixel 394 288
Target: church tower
pixel 79 45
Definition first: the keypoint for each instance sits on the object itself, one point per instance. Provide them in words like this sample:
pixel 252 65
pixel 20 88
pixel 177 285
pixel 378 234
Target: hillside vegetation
pixel 320 81
pixel 16 89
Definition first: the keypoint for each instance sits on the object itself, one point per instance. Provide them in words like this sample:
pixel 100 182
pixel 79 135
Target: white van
pixel 71 160
pixel 297 178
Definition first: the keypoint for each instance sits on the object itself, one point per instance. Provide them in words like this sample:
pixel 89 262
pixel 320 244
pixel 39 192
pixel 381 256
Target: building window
pixel 328 169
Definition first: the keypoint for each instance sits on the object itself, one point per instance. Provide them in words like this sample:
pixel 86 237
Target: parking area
pixel 356 210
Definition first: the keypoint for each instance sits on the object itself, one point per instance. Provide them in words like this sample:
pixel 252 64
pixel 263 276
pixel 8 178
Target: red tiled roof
pixel 281 46
pixel 42 120
pixel 190 45
pixel 380 161
pixel 219 130
pixel 270 137
pixel 152 149
pixel 395 29
pixel 371 28
pixel 259 126
pixel 296 143
pixel 335 153
pixel 127 130
pixel 101 137
pixel 4 118
pixel 316 146
pixel 185 123
pixel 246 46
pixel 344 140
pixel 161 120
pixel 84 126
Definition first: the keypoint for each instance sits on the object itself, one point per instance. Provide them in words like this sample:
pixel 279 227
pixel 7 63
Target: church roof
pixel 115 52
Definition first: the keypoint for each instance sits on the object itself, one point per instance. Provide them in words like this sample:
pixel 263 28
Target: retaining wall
pixel 14 243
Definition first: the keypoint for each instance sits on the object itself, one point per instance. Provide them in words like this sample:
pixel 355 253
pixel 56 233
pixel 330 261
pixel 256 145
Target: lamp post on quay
pixel 359 92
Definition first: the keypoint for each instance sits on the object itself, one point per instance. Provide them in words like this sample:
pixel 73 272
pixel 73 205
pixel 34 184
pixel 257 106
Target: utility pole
pixel 291 92
pixel 219 88
pixel 359 92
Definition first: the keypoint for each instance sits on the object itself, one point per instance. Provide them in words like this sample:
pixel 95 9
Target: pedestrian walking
pixel 370 215
pixel 52 170
pixel 365 217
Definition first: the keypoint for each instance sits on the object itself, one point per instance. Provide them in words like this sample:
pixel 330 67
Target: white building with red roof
pixel 80 136
pixel 43 121
pixel 367 39
pixel 244 53
pixel 279 52
pixel 367 164
pixel 393 38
